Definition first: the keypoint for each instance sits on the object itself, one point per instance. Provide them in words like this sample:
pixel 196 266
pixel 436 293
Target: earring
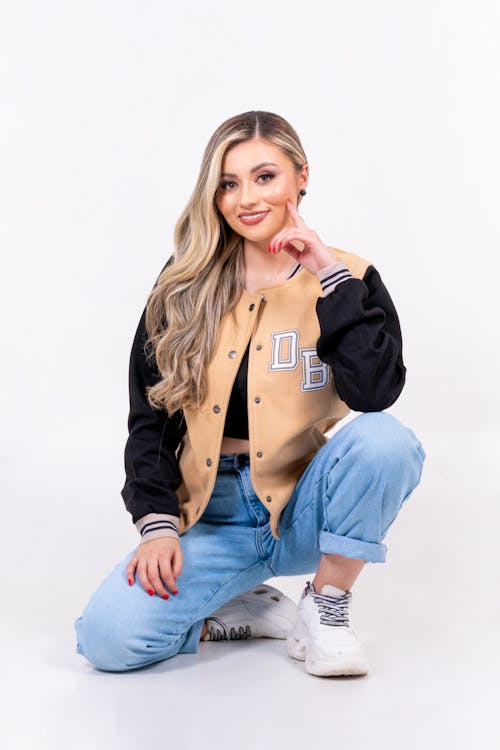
pixel 302 192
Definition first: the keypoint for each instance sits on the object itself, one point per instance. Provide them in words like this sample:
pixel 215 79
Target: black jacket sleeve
pixel 361 341
pixel 151 466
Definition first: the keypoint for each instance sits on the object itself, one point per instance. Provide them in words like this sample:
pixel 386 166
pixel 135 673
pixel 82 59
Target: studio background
pixel 106 109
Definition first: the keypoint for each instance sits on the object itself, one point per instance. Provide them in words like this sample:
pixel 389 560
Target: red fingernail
pixel 150 592
pixel 130 581
pixel 166 596
pixel 176 592
pixel 269 248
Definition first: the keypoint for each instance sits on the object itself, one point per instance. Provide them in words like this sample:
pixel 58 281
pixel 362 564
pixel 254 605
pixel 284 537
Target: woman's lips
pixel 253 219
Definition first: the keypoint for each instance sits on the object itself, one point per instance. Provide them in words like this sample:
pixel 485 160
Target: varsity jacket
pixel 319 345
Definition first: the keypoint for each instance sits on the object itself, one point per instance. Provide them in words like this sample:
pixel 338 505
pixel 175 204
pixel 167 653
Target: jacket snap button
pixel 251 306
pixel 264 299
pixel 232 354
pixel 268 498
pixel 259 454
pixel 209 462
pixel 258 347
pixel 216 408
pixel 257 399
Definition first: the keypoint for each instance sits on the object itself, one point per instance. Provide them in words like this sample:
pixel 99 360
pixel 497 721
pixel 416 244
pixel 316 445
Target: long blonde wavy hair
pixel 203 279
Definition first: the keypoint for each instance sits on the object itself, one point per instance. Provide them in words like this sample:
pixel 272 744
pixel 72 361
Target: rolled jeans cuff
pixel 348 547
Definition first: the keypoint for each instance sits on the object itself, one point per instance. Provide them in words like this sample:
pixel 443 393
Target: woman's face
pixel 257 176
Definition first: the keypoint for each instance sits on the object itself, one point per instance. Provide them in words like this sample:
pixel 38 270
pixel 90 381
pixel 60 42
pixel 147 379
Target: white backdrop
pixel 106 109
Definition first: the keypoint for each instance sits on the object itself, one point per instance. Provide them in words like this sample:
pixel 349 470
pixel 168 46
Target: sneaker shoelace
pixel 220 632
pixel 334 610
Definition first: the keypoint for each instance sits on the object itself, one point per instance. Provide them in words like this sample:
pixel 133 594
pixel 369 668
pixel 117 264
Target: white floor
pixel 429 617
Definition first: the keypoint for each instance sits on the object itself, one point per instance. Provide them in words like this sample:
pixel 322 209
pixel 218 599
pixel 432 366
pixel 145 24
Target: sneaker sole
pixel 337 668
pixel 345 665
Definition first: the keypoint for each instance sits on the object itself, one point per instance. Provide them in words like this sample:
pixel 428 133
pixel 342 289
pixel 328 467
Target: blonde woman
pixel 256 339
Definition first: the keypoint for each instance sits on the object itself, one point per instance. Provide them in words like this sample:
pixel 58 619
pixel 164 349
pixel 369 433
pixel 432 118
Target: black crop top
pixel 236 424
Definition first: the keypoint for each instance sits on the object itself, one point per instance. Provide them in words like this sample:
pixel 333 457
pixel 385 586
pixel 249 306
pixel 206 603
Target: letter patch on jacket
pixel 285 356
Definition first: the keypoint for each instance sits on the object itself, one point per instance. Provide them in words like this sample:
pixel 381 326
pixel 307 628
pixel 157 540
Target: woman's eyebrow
pixel 254 169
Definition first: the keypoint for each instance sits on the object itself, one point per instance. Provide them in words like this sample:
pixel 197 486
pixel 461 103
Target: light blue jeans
pixel 344 502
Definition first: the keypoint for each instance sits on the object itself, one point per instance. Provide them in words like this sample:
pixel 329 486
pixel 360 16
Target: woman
pixel 256 339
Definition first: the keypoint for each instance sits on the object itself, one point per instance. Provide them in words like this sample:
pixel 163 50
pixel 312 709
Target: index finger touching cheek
pixel 299 221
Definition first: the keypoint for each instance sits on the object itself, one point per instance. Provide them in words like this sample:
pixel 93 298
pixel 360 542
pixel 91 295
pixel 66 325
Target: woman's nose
pixel 247 195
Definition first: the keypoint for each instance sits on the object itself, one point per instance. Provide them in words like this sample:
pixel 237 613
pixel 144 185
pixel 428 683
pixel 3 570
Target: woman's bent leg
pixel 122 627
pixel 350 494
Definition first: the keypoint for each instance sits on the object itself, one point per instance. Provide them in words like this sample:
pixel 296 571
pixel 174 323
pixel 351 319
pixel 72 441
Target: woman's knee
pixel 384 444
pixel 112 640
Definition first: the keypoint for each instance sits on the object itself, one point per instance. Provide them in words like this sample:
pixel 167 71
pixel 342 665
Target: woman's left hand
pixel 314 256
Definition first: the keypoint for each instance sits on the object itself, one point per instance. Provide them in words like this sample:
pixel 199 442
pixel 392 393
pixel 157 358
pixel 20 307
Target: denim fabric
pixel 344 503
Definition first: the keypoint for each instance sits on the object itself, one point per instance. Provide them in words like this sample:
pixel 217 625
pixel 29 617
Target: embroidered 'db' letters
pixel 285 356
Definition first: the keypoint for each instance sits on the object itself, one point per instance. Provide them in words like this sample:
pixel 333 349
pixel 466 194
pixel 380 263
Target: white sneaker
pixel 262 612
pixel 322 637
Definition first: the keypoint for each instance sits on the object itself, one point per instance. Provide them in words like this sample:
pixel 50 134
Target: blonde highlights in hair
pixel 204 278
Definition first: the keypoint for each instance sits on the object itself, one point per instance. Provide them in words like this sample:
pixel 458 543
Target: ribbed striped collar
pixel 297 268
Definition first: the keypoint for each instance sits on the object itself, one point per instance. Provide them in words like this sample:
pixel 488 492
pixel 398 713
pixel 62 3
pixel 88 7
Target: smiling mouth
pixel 254 217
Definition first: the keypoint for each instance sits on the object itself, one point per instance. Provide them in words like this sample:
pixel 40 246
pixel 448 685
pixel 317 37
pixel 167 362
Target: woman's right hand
pixel 158 561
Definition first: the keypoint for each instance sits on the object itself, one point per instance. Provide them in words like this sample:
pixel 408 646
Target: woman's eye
pixel 225 186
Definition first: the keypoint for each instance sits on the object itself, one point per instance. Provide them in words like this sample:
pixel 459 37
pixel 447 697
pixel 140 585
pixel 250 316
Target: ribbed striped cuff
pixel 156 525
pixel 331 276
